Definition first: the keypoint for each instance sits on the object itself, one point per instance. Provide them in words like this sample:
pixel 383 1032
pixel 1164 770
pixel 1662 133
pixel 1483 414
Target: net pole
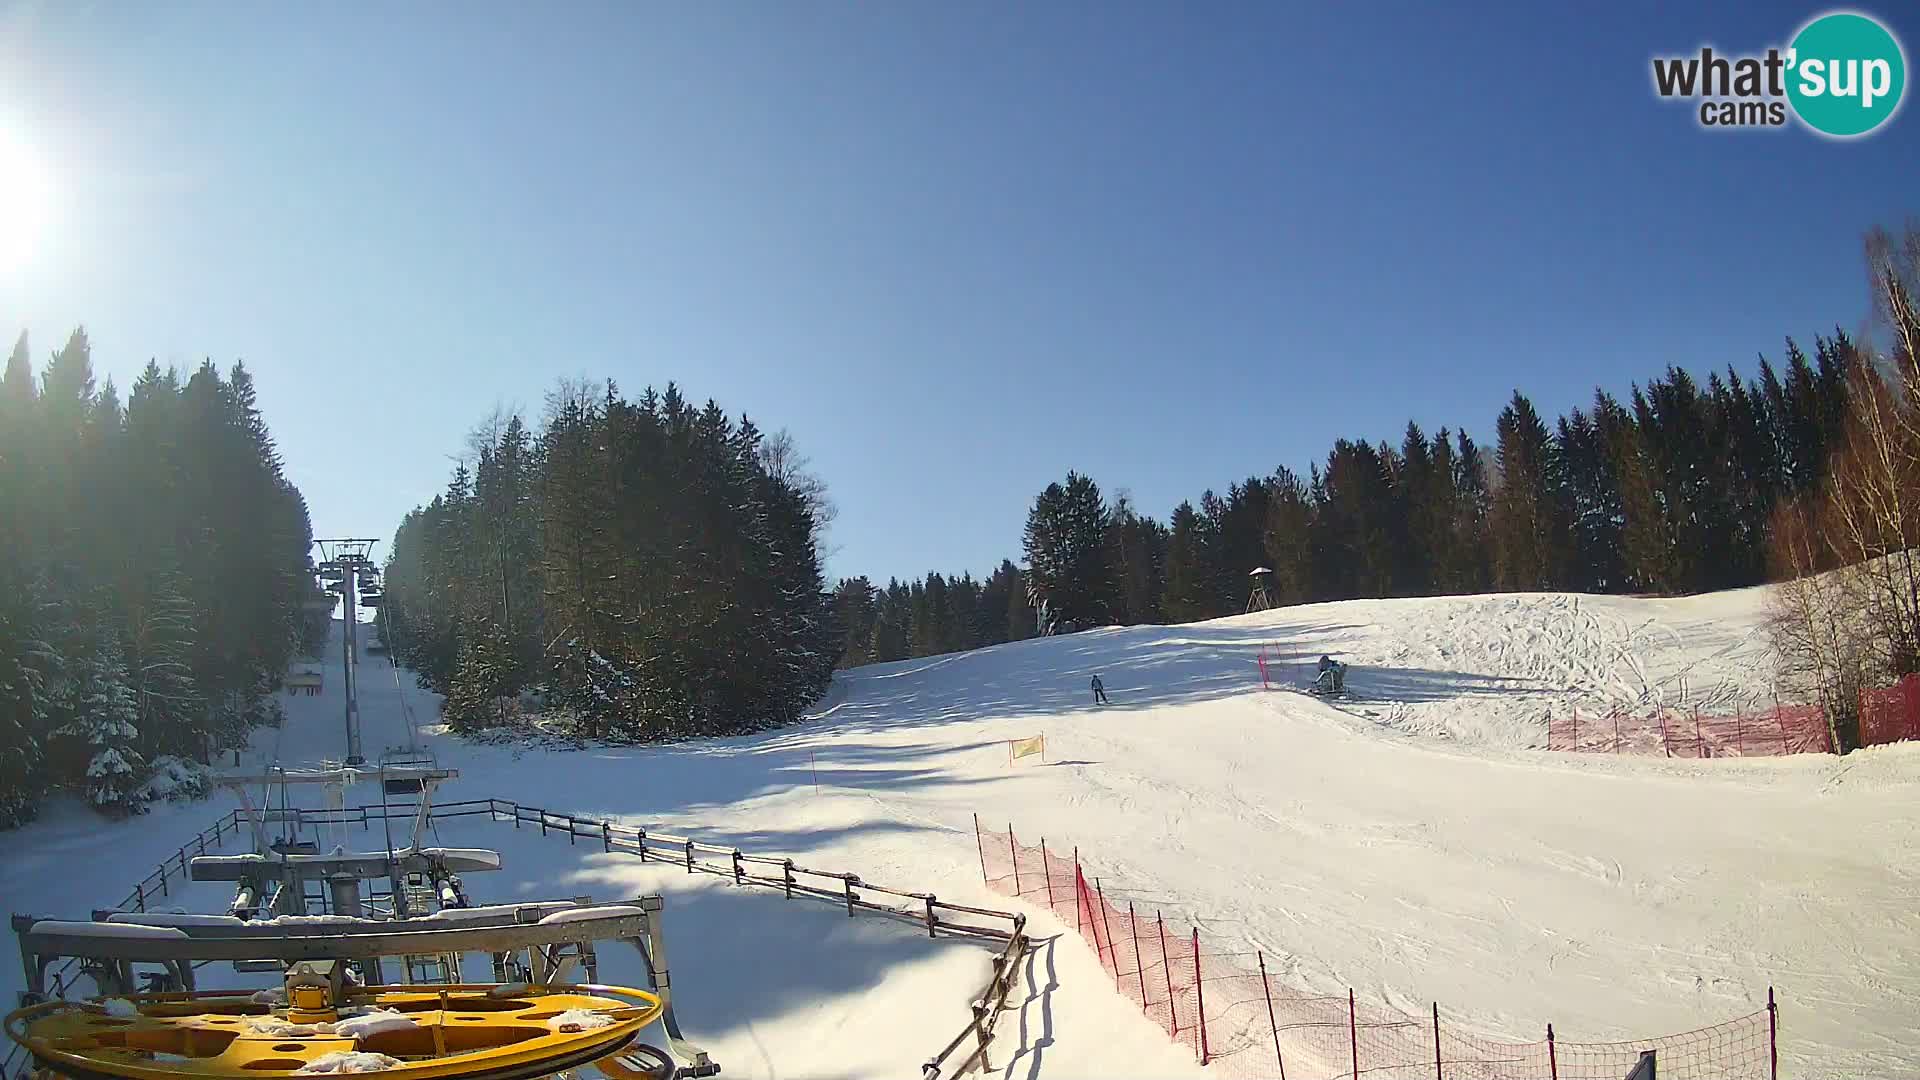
pixel 1773 1037
pixel 1047 869
pixel 1272 1025
pixel 1166 968
pixel 1353 1033
pixel 1140 961
pixel 1553 1058
pixel 1014 851
pixel 981 844
pixel 1437 1074
pixel 1107 926
pixel 1200 996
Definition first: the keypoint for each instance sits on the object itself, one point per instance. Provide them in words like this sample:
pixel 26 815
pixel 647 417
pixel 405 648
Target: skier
pixel 1099 691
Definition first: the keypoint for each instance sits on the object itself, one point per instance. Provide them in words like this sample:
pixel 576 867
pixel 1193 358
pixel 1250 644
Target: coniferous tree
pixel 1069 566
pixel 1525 518
pixel 154 564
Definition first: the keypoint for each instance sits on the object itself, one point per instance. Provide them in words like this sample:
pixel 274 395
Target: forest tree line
pixel 635 569
pixel 1669 491
pixel 154 574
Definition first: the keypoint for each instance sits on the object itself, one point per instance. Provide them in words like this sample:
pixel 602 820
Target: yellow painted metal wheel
pixel 465 1032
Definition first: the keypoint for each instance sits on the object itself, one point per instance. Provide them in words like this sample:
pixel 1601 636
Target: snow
pixel 105 930
pixel 603 911
pixel 164 918
pixel 275 1028
pixel 1413 843
pixel 120 1007
pixel 372 1023
pixel 579 1020
pixel 349 1061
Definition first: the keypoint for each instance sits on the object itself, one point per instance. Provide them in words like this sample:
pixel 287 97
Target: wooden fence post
pixel 139 896
pixel 932 922
pixel 606 835
pixel 1665 743
pixel 572 830
pixel 1266 989
pixel 1616 729
pixel 1698 739
pixel 1200 997
pixel 786 873
pixel 641 838
pixel 163 879
pixel 689 856
pixel 850 880
pixel 739 871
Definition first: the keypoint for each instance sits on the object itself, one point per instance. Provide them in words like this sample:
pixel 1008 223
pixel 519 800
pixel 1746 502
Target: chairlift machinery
pixel 544 1012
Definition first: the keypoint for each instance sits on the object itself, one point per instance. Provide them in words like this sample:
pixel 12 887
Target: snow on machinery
pixel 350 936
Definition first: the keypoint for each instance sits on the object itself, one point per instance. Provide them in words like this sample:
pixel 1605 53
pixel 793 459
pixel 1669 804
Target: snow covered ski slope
pixel 1411 844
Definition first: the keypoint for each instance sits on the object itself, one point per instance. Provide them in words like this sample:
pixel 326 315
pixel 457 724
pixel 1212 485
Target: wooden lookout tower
pixel 1260 598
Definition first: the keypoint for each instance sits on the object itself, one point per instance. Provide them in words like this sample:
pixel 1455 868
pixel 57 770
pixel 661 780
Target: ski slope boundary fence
pixel 1234 1015
pixel 1687 733
pixel 968 1048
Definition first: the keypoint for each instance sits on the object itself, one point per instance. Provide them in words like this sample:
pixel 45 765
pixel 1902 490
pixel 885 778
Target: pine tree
pixel 1290 528
pixel 1069 568
pixel 1526 520
pixel 102 714
pixel 1190 577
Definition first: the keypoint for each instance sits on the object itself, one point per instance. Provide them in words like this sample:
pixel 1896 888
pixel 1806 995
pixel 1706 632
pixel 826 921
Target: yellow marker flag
pixel 1019 748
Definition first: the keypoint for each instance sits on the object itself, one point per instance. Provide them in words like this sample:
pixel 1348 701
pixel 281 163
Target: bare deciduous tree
pixel 1847 614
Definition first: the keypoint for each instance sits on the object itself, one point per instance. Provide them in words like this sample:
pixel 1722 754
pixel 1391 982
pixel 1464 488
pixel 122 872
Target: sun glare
pixel 25 202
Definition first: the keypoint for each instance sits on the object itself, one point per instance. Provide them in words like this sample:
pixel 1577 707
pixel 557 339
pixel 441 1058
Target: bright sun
pixel 25 202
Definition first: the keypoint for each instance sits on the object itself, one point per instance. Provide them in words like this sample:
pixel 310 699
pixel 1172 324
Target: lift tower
pixel 346 570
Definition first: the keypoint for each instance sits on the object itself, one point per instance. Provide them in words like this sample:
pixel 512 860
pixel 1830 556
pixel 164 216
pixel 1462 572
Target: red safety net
pixel 1681 733
pixel 1891 714
pixel 1238 1016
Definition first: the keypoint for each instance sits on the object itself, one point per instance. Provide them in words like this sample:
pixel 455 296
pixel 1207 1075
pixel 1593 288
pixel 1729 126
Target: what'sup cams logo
pixel 1843 76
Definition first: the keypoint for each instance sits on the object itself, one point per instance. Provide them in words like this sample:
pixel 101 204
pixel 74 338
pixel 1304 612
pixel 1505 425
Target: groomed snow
pixel 1409 844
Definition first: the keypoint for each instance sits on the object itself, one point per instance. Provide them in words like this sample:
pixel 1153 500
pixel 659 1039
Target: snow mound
pixel 349 1061
pixel 372 1023
pixel 579 1020
pixel 276 1028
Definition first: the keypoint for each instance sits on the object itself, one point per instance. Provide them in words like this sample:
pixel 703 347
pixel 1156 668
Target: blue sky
pixel 957 249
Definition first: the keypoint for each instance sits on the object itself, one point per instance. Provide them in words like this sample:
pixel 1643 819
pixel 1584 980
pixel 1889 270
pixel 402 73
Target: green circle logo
pixel 1846 74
